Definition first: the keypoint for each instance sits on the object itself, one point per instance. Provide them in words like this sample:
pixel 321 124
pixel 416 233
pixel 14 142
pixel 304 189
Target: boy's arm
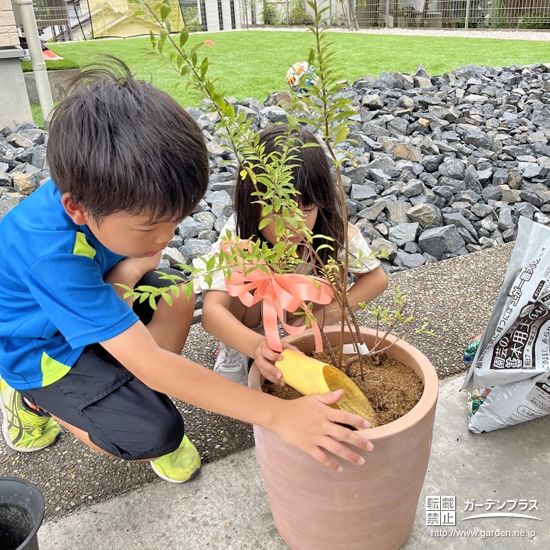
pixel 307 423
pixel 129 271
pixel 218 320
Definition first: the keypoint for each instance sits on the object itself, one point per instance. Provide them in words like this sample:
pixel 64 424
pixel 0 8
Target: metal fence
pixel 64 20
pixel 490 14
pixel 439 14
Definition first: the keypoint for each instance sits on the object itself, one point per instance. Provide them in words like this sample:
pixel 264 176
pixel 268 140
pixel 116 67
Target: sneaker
pixel 180 466
pixel 23 429
pixel 232 364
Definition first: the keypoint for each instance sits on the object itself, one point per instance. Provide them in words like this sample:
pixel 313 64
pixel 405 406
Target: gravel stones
pixel 445 163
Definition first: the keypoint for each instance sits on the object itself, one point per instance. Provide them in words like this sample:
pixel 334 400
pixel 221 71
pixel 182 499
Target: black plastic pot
pixel 21 514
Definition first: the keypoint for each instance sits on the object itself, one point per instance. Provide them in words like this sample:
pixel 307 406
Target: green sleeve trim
pixel 52 370
pixel 81 246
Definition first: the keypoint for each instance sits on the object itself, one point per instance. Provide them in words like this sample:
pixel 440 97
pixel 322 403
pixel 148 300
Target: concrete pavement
pixel 227 507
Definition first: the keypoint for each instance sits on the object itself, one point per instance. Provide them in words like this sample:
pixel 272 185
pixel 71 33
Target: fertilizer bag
pixel 508 381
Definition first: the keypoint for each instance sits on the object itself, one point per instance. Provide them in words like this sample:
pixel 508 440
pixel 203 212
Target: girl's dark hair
pixel 119 144
pixel 312 178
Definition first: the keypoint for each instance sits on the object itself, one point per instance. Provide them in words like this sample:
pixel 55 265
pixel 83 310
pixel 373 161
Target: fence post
pixel 467 18
pixel 387 13
pixel 37 59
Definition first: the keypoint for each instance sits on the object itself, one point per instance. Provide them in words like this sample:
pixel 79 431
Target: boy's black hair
pixel 120 144
pixel 311 177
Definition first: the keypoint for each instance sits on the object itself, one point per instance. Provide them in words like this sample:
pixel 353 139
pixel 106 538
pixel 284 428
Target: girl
pixel 237 326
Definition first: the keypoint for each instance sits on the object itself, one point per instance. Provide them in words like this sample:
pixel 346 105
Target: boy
pixel 127 164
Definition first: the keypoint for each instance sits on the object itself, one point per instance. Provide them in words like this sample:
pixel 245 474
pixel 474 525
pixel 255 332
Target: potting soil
pixel 392 388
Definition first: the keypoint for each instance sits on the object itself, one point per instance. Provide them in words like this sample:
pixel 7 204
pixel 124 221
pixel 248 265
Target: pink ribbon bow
pixel 277 294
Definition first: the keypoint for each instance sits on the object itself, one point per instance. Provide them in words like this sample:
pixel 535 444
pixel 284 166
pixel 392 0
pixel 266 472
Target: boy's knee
pixel 180 308
pixel 184 303
pixel 179 305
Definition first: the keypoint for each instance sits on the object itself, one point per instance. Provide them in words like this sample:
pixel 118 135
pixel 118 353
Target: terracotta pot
pixel 369 507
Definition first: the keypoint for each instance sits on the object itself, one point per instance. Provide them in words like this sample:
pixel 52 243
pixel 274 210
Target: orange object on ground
pixel 208 43
pixel 48 55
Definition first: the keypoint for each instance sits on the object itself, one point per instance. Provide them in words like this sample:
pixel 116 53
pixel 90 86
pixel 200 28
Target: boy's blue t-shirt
pixel 53 299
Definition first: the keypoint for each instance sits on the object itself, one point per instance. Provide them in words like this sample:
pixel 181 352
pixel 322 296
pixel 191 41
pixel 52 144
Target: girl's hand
pixel 309 424
pixel 264 357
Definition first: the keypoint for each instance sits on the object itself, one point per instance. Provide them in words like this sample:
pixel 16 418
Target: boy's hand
pixel 264 357
pixel 310 425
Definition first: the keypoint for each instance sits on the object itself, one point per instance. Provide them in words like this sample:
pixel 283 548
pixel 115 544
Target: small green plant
pixel 328 111
pixel 394 319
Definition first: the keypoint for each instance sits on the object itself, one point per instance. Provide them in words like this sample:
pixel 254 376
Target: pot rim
pixel 427 374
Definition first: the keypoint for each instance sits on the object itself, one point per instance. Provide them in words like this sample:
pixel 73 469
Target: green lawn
pixel 254 63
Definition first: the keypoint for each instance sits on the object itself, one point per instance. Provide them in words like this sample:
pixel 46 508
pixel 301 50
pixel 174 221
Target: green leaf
pixel 175 290
pixel 125 287
pixel 162 39
pixel 341 135
pixel 147 288
pixel 188 289
pixel 211 263
pixel 165 12
pixel 167 298
pixel 152 303
pixel 184 35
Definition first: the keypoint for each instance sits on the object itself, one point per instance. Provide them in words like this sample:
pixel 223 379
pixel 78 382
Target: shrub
pixel 270 13
pixel 299 15
pixel 535 20
pixel 191 18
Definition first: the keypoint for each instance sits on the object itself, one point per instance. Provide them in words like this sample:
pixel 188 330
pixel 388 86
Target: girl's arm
pixel 218 320
pixel 367 287
pixel 307 423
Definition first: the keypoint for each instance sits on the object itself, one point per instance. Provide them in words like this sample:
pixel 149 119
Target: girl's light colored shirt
pixel 360 260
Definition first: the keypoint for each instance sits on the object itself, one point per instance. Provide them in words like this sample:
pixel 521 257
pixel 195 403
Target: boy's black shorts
pixel 122 415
